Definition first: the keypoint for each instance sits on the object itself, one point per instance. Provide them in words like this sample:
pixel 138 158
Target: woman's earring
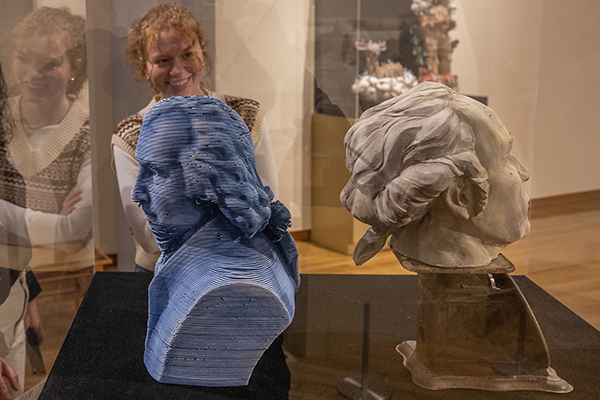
pixel 198 201
pixel 72 79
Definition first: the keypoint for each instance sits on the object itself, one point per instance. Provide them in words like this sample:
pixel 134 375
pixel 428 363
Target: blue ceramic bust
pixel 224 285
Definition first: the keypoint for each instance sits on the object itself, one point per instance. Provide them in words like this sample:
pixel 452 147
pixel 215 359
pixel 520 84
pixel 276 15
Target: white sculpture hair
pixel 402 154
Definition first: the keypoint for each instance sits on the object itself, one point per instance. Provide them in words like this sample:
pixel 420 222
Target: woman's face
pixel 174 64
pixel 41 68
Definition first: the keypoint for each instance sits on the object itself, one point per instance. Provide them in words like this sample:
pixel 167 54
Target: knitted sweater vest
pixel 127 132
pixel 41 179
pixel 12 184
pixel 16 250
pixel 41 182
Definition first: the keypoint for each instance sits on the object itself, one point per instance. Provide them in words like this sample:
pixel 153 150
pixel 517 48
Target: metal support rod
pixel 365 352
pixel 358 12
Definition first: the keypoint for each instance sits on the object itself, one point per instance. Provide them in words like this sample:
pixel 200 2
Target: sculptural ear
pixel 459 198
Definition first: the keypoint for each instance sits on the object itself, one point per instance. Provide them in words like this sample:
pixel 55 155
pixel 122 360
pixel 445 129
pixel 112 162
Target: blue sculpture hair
pixel 217 156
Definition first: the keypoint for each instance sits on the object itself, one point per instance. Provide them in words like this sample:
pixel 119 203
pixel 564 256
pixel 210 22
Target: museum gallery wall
pixel 524 57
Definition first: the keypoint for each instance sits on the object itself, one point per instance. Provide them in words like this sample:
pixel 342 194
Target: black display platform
pixel 102 354
pixel 326 339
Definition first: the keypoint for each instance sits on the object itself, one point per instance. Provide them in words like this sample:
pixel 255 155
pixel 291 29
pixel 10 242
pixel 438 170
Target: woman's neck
pixel 36 115
pixel 200 91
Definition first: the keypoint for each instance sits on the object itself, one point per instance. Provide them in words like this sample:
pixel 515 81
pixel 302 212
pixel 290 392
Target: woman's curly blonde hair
pixel 65 28
pixel 159 18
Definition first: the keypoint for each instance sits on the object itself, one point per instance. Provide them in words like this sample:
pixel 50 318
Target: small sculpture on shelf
pixel 433 171
pixel 435 23
pixel 380 81
pixel 224 286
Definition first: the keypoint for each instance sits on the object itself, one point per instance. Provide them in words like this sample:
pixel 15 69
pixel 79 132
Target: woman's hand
pixel 32 320
pixel 71 200
pixel 12 377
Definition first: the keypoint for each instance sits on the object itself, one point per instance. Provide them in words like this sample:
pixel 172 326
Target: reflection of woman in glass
pixel 167 48
pixel 50 146
pixel 13 286
pixel 45 170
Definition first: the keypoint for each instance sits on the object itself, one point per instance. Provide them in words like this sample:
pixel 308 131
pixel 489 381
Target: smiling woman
pixel 175 65
pixel 41 70
pixel 50 147
pixel 167 48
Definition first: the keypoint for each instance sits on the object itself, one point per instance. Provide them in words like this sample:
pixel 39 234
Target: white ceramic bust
pixel 433 170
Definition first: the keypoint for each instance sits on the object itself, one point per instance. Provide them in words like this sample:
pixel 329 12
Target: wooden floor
pixel 561 254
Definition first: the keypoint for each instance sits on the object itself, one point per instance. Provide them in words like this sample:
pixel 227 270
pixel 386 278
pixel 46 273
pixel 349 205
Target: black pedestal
pixel 102 357
pixel 326 339
pixel 476 331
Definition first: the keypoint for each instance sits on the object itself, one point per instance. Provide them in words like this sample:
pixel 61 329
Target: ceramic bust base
pixel 545 380
pixel 476 331
pixel 500 265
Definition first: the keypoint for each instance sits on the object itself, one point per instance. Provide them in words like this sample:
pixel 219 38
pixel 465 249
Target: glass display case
pixel 314 66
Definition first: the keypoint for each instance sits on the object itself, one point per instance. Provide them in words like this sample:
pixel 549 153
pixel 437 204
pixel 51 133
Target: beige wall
pixel 567 135
pixel 498 57
pixel 261 52
pixel 534 59
pixel 76 6
pixel 530 58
